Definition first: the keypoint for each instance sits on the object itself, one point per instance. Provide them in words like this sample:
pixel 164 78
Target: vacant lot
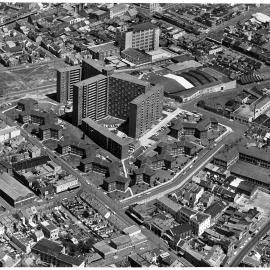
pixel 95 178
pixel 31 77
pixel 73 160
pixel 11 83
pixel 261 201
pixel 222 99
pixel 118 195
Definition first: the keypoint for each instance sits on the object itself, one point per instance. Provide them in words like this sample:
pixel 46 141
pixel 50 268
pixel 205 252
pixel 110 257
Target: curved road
pixel 160 191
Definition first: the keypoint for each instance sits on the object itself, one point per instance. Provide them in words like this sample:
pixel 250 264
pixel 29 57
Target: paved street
pixel 118 208
pixel 90 188
pixel 250 245
pixel 144 139
pixel 176 183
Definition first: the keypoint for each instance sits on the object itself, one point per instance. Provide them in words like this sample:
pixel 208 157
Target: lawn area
pixel 51 144
pixel 49 107
pixel 214 134
pixel 11 83
pixel 39 75
pixel 221 99
pixel 73 160
pixel 163 176
pixel 118 195
pixel 182 160
pixel 95 178
pixel 73 131
pixel 29 77
pixel 13 114
pixel 140 187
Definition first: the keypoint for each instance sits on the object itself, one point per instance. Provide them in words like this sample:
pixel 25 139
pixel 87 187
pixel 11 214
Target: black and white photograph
pixel 134 134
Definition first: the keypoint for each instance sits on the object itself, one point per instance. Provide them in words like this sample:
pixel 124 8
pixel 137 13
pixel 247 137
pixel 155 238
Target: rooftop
pixel 106 132
pixel 169 203
pixel 103 248
pixel 184 65
pixel 121 240
pixel 91 80
pixel 143 26
pixel 215 209
pixel 245 111
pixel 187 211
pixel 178 230
pixel 135 53
pixel 48 246
pixel 130 78
pixel 14 188
pixel 143 97
pixel 103 47
pixel 69 68
pixel 255 152
pixel 251 171
pixel 200 217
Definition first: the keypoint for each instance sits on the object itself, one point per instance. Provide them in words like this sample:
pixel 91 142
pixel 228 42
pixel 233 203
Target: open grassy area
pixel 140 187
pixel 39 75
pixel 73 160
pixel 163 176
pixel 95 178
pixel 51 144
pixel 30 77
pixel 222 99
pixel 11 83
pixel 182 160
pixel 49 106
pixel 118 195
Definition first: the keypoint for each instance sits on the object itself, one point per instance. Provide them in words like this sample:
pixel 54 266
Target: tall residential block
pixel 145 110
pixel 90 99
pixel 66 78
pixel 123 88
pixel 144 36
pixel 91 68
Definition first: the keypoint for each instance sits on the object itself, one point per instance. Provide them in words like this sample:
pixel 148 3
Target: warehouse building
pixel 14 192
pixel 187 85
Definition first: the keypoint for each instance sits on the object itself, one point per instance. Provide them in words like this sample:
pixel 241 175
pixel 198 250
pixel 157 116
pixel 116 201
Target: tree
pixel 201 103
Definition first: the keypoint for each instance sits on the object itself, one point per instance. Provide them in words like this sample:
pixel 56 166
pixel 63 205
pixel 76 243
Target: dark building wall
pixel 90 69
pixel 143 114
pixel 90 100
pixel 65 81
pixel 29 163
pixel 121 93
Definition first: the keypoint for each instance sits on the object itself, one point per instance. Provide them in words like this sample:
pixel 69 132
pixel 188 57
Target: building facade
pixel 66 78
pixel 90 99
pixel 123 89
pixel 144 111
pixel 143 36
pixel 119 147
pixel 100 52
